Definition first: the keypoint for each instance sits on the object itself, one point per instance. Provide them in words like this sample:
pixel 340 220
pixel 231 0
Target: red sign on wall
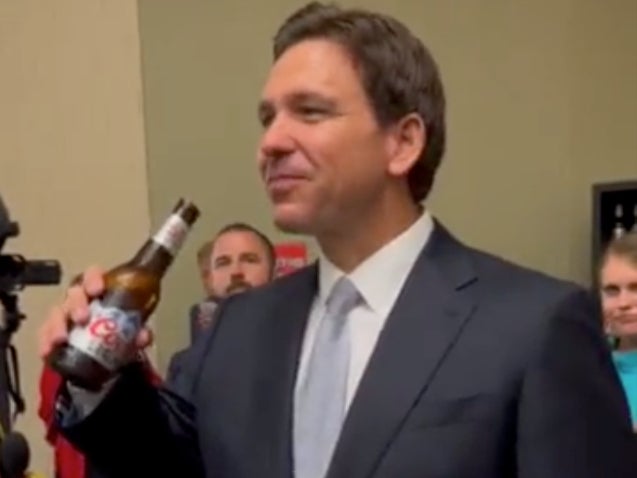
pixel 290 256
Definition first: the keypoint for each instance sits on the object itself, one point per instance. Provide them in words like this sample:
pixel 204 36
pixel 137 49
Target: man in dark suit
pixel 402 353
pixel 238 258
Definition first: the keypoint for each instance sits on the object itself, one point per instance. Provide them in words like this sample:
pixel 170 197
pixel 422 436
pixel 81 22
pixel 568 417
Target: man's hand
pixel 74 310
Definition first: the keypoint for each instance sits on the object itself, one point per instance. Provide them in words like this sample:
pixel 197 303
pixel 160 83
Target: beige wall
pixel 603 144
pixel 72 159
pixel 542 102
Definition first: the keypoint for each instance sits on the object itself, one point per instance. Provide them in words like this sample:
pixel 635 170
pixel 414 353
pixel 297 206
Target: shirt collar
pixel 391 264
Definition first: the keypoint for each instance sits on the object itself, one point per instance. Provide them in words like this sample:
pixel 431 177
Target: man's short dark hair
pixel 203 255
pixel 397 71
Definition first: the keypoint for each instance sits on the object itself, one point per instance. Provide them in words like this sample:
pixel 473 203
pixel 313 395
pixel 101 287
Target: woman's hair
pixel 624 247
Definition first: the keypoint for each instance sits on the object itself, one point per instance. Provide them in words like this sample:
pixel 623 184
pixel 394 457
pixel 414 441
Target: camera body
pixel 16 272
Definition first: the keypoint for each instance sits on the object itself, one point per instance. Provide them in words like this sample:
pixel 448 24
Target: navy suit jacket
pixel 484 369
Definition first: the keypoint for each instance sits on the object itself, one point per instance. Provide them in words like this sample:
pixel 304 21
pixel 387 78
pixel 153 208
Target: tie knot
pixel 343 297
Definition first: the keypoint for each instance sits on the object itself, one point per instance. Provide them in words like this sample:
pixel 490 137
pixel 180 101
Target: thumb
pixel 144 338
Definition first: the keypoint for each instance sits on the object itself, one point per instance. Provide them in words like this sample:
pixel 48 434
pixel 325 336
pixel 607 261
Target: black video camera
pixel 16 272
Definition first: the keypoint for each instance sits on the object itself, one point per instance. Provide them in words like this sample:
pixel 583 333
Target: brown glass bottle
pixel 94 353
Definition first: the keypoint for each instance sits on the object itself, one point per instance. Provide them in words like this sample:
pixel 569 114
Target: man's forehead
pixel 236 242
pixel 309 67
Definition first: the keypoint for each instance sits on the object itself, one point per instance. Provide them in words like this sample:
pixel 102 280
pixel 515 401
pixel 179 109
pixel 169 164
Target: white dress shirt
pixel 379 279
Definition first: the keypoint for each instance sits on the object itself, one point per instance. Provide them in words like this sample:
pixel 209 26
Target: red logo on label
pixel 105 329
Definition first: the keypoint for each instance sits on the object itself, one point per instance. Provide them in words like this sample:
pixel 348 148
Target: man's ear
pixel 408 139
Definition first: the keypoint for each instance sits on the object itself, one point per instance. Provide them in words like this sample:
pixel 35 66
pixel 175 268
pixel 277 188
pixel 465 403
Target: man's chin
pixel 291 221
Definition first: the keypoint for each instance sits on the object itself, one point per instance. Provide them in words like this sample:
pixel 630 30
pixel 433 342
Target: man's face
pixel 239 261
pixel 322 155
pixel 619 296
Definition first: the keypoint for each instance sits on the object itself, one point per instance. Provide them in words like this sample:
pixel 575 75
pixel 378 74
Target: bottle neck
pixel 153 257
pixel 157 254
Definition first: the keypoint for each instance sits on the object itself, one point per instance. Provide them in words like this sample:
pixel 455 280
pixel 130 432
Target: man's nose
pixel 236 269
pixel 276 140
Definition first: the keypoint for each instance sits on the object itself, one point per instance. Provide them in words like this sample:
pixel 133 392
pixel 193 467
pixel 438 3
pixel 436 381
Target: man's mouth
pixel 238 287
pixel 282 184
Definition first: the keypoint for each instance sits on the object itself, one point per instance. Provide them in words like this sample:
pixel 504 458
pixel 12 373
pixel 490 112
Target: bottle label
pixel 172 234
pixel 109 335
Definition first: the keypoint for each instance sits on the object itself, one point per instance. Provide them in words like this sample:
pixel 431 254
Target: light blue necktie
pixel 319 408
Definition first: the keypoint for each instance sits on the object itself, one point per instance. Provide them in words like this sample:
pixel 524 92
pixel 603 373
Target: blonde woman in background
pixel 618 284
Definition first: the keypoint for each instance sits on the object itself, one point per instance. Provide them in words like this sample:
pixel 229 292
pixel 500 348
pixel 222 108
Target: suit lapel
pixel 280 341
pixel 424 323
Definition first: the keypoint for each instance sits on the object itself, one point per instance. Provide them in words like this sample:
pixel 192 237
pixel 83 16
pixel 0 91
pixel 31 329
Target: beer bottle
pixel 96 352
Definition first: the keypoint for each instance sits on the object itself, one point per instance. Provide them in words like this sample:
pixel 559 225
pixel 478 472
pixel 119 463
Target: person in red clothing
pixel 68 462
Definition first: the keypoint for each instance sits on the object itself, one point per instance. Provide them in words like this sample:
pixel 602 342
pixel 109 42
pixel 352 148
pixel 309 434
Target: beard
pixel 238 285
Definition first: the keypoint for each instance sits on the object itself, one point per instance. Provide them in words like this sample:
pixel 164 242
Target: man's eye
pixel 312 113
pixel 266 119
